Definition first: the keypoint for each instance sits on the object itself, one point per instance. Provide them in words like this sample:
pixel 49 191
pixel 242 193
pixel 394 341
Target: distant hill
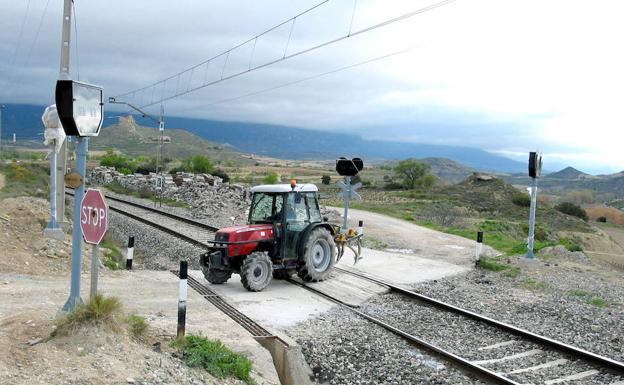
pixel 568 173
pixel 133 139
pixel 287 142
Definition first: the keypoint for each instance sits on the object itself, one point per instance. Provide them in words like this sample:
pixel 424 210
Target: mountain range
pixel 285 142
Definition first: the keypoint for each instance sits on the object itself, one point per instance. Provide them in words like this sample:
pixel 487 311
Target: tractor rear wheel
pixel 216 276
pixel 319 256
pixel 256 272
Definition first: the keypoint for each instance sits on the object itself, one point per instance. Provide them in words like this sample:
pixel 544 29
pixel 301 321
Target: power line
pixel 285 57
pixel 32 46
pixel 335 70
pixel 229 50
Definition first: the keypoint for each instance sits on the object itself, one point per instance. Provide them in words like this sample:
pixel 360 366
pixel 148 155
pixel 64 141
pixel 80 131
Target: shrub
pixel 137 326
pixel 393 186
pixel 522 200
pixel 221 174
pixel 112 159
pixel 326 179
pixel 98 311
pixel 198 164
pixel 271 178
pixel 601 219
pixel 572 209
pixel 541 233
pixel 213 356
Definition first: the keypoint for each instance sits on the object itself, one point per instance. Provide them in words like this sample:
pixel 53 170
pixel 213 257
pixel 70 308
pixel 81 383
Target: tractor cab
pixel 285 234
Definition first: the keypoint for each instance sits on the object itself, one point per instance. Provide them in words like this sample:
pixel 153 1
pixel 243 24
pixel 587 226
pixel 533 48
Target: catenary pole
pixel 82 146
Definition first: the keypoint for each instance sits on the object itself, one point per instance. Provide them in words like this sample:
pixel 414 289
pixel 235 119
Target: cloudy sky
pixel 505 76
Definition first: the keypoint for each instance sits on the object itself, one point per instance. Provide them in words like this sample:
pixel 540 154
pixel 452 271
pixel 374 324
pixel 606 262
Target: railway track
pixel 491 362
pixel 488 362
pixel 184 228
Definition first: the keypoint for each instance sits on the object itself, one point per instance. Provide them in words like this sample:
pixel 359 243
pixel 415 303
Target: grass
pixel 577 293
pixel 137 326
pixel 25 179
pixel 112 258
pixel 98 311
pixel 598 302
pixel 216 358
pixel 534 285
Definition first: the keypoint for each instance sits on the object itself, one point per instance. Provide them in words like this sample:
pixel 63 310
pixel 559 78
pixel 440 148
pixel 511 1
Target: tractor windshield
pixel 266 208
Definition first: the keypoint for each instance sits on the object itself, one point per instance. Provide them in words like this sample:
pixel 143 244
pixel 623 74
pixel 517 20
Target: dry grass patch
pixel 613 215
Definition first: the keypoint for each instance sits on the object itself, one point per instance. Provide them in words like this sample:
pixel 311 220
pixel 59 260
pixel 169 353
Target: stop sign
pixel 93 216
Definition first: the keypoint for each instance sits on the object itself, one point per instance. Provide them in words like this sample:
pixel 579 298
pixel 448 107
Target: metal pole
pixel 53 230
pixel 345 224
pixel 94 271
pixel 65 41
pixel 82 147
pixel 479 248
pixel 61 167
pixel 530 254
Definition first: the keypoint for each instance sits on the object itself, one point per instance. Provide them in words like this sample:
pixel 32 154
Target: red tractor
pixel 285 234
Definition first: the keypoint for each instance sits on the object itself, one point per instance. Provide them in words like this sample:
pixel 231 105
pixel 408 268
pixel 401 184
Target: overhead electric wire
pixel 32 45
pixel 312 77
pixel 228 51
pixel 285 57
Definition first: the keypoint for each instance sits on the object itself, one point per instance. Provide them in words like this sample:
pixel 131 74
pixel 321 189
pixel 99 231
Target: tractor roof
pixel 282 188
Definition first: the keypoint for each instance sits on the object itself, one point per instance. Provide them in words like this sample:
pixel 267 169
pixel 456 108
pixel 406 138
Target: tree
pixel 271 178
pixel 409 171
pixel 326 179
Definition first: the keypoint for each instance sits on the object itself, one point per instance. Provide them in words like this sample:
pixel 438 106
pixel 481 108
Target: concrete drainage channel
pixel 290 365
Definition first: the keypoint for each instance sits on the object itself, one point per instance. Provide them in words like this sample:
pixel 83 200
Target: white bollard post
pixel 479 249
pixel 130 253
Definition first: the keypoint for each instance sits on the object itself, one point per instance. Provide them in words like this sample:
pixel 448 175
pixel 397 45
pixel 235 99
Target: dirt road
pixel 406 237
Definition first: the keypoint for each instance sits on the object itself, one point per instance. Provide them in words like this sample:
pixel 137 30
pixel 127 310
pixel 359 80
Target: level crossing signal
pixel 349 167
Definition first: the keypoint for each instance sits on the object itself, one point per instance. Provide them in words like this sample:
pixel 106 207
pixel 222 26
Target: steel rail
pixel 554 344
pixel 467 366
pixel 177 217
pixel 158 226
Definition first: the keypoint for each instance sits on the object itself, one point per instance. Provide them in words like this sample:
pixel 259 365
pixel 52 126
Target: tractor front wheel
pixel 319 256
pixel 256 272
pixel 216 276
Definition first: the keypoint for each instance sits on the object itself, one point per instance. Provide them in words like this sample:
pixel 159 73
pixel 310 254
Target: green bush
pixel 541 234
pixel 522 200
pixel 112 159
pixel 601 219
pixel 572 209
pixel 271 178
pixel 326 179
pixel 137 326
pixel 213 356
pixel 198 164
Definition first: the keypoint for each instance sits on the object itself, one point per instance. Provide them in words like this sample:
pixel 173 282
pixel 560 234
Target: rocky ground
pixel 564 295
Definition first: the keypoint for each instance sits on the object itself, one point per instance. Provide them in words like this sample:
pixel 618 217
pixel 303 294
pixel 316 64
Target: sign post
pixel 535 169
pixel 348 168
pixel 80 109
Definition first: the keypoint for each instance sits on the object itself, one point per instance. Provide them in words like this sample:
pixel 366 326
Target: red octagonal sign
pixel 93 216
